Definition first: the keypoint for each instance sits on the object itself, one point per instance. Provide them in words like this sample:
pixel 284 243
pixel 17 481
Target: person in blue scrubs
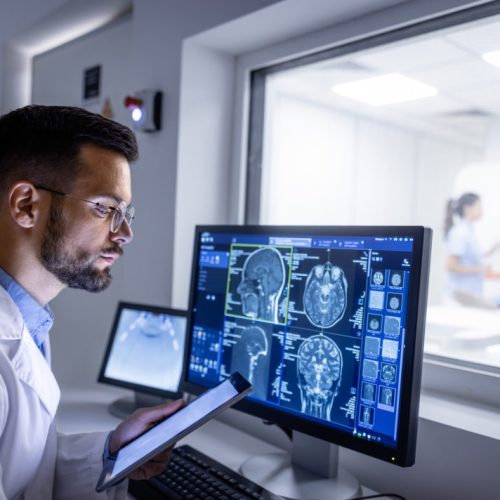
pixel 465 262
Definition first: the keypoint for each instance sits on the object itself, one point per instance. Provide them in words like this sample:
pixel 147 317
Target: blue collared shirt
pixel 38 319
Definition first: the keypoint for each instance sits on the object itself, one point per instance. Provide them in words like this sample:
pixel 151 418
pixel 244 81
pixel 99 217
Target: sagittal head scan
pixel 262 282
pixel 256 346
pixel 325 295
pixel 320 374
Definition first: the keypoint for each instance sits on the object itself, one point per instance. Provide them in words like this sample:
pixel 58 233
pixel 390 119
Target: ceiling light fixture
pixel 385 89
pixel 492 57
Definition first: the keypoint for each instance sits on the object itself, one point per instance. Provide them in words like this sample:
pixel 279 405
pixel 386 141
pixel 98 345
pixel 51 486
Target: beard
pixel 74 269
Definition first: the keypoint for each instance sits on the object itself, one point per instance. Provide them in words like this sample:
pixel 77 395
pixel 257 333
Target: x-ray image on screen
pixel 394 301
pixel 388 373
pixel 250 349
pixel 374 323
pixel 147 349
pixel 368 392
pixel 320 374
pixel 372 347
pixel 327 290
pixel 386 398
pixel 325 295
pixel 378 277
pixel 366 416
pixel 396 279
pixel 309 377
pixel 391 325
pixel 258 282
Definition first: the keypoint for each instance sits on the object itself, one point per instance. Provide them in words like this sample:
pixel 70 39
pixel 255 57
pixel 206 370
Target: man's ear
pixel 25 204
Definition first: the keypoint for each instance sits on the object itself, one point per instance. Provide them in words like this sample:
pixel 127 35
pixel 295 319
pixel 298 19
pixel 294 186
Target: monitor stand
pixel 310 471
pixel 123 407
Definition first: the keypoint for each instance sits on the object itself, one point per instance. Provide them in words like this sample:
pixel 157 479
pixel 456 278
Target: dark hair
pixel 42 143
pixel 457 207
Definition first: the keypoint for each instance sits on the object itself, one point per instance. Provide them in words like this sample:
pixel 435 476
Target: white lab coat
pixel 37 463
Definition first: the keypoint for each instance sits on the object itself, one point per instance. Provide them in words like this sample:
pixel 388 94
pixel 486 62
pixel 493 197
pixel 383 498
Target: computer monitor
pixel 327 323
pixel 145 353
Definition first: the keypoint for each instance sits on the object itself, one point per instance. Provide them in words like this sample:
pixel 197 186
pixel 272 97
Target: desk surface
pixel 86 411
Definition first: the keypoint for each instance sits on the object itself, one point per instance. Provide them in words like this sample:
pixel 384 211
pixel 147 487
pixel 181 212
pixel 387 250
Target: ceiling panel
pixel 412 55
pixel 471 71
pixel 478 39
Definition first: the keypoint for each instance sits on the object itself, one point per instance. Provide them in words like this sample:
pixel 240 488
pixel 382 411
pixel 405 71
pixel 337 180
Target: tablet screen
pixel 173 428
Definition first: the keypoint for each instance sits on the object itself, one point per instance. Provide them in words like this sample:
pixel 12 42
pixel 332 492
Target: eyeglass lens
pixel 119 215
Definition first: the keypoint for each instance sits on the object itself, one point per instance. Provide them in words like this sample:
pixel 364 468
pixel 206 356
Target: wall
pixel 82 319
pixel 143 51
pixel 360 170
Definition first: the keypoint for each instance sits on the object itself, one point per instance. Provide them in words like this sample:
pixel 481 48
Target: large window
pixel 396 133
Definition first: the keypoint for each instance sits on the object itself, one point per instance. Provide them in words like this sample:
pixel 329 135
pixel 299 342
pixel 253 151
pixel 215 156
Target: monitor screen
pixel 326 323
pixel 145 351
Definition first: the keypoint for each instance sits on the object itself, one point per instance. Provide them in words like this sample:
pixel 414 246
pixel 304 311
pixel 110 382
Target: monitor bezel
pixel 102 378
pixel 404 453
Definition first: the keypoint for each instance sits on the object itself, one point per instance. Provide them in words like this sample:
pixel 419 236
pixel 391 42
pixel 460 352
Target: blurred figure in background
pixel 466 264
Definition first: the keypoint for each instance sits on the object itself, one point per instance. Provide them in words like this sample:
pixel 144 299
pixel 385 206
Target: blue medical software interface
pixel 316 324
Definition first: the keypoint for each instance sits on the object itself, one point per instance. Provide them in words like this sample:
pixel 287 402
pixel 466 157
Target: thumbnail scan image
pixel 258 283
pixel 378 277
pixel 320 374
pixel 250 355
pixel 325 295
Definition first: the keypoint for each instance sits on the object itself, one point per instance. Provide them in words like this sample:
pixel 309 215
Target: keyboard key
pixel 193 475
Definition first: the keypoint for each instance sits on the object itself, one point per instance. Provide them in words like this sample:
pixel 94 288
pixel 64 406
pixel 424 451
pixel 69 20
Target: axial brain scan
pixel 262 282
pixel 320 373
pixel 378 278
pixel 325 295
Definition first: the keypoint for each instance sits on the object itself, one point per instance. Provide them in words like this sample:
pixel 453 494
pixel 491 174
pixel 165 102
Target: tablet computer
pixel 175 427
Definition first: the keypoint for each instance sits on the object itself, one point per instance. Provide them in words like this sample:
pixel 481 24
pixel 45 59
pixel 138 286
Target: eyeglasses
pixel 120 213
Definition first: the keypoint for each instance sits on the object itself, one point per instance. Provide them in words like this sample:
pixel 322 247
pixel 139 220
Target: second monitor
pixel 145 353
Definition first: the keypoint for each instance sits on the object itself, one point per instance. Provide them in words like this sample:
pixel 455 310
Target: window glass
pixel 398 134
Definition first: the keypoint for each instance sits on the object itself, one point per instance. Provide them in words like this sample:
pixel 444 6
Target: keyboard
pixel 193 475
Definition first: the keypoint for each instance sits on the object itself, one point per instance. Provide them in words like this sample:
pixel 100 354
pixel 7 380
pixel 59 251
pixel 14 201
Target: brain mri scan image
pixel 376 300
pixel 391 325
pixel 367 415
pixel 388 373
pixel 390 349
pixel 394 301
pixel 378 277
pixel 263 279
pixel 370 369
pixel 372 346
pixel 251 355
pixel 386 396
pixel 325 295
pixel 256 346
pixel 396 279
pixel 319 369
pixel 374 323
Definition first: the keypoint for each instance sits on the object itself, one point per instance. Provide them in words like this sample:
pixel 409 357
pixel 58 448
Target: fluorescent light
pixel 492 57
pixel 385 89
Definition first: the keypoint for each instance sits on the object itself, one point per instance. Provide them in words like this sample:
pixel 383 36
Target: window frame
pixel 257 84
pixel 476 382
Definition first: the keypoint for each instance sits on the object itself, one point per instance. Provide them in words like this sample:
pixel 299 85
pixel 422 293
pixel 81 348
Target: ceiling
pixel 468 88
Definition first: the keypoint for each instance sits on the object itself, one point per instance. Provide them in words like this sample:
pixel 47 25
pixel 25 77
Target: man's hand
pixel 136 424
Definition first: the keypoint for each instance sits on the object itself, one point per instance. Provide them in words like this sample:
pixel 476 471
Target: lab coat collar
pixel 27 360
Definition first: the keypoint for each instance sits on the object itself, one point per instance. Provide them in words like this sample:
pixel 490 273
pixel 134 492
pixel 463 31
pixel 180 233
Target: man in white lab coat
pixel 65 216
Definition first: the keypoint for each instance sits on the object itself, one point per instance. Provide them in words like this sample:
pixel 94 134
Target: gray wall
pixel 143 51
